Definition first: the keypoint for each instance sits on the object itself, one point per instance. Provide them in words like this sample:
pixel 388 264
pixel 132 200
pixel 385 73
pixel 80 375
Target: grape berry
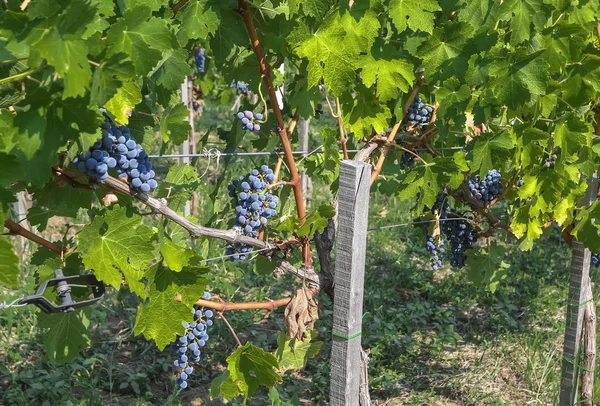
pixel 255 205
pixel 118 150
pixel 249 120
pixel 188 345
pixel 241 86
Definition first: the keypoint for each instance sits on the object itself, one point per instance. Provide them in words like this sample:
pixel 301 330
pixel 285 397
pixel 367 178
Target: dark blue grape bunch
pixel 199 59
pixel 249 120
pixel 549 162
pixel 596 260
pixel 488 188
pixel 461 235
pixel 520 182
pixel 118 150
pixel 319 110
pixel 255 205
pixel 418 115
pixel 240 86
pixel 189 344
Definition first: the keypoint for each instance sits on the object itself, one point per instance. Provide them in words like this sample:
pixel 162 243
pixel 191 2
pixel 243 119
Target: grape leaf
pixel 173 126
pixel 445 49
pixel 67 334
pixel 520 14
pixel 69 58
pixel 140 36
pixel 416 14
pixel 108 78
pixel 230 34
pixel 248 368
pixel 264 266
pixel 486 267
pixel 518 77
pixel 160 319
pixel 53 200
pixel 587 229
pixel 116 243
pixel 121 105
pixel 294 354
pixel 199 19
pixel 176 257
pixel 364 114
pixel 391 76
pixel 10 169
pixel 171 69
pixel 491 150
pixel 9 264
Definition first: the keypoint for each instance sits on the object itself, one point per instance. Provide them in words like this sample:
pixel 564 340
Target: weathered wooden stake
pixel 580 278
pixel 351 239
pixel 589 348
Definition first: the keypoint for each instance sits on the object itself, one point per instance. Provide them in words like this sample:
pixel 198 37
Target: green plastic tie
pixel 346 337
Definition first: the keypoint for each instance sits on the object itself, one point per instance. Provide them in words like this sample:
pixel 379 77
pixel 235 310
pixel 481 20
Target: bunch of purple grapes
pixel 549 162
pixel 118 150
pixel 255 205
pixel 488 188
pixel 188 345
pixel 418 114
pixel 436 251
pixel 249 120
pixel 199 59
pixel 461 235
pixel 241 86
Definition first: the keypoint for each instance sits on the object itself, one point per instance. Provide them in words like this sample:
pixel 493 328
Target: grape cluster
pixel 118 150
pixel 249 120
pixel 188 345
pixel 488 188
pixel 199 58
pixel 255 205
pixel 241 86
pixel 461 236
pixel 436 251
pixel 418 114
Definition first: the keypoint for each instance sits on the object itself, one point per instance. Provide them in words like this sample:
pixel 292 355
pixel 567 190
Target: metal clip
pixel 63 286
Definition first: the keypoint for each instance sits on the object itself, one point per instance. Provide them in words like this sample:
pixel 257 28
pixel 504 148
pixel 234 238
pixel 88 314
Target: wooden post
pixel 589 348
pixel 303 138
pixel 353 195
pixel 580 278
pixel 186 97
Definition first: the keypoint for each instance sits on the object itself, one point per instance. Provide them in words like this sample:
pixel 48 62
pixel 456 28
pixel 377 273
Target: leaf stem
pixel 18 76
pixel 237 339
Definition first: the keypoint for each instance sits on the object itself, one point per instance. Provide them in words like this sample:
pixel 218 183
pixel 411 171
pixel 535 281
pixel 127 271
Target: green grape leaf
pixel 10 169
pixel 416 14
pixel 518 77
pixel 173 126
pixel 520 15
pixel 391 76
pixel 109 77
pixel 171 69
pixel 69 58
pixel 66 334
pixel 176 257
pixel 294 354
pixel 491 150
pixel 248 368
pixel 161 317
pixel 445 49
pixel 9 265
pixel 263 265
pixel 121 105
pixel 486 267
pixel 480 13
pixel 53 200
pixel 230 34
pixel 564 44
pixel 317 221
pixel 198 20
pixel 311 8
pixel 333 52
pixel 365 114
pixel 140 36
pixel 302 99
pixel 572 134
pixel 452 99
pixel 116 243
pixel 587 229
